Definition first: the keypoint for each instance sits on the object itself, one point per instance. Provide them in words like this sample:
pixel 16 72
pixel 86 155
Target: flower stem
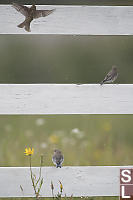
pixel 32 179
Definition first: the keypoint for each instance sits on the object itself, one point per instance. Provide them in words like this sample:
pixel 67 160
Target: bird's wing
pixel 54 160
pixel 62 159
pixel 108 76
pixel 42 13
pixel 22 9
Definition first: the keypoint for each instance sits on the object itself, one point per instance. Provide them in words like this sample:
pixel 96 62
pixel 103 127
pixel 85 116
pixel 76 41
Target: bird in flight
pixel 57 158
pixel 30 13
pixel 111 76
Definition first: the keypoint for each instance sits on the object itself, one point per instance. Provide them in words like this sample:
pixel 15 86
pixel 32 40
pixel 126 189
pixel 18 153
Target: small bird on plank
pixel 111 76
pixel 30 14
pixel 57 158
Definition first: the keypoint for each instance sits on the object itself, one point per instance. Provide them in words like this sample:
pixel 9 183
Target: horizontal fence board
pixel 77 20
pixel 76 181
pixel 66 99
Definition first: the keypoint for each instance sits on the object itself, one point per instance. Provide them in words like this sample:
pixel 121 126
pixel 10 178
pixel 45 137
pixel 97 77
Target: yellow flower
pixel 29 151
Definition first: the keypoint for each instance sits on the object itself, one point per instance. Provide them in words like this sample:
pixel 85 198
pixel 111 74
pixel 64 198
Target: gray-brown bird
pixel 111 76
pixel 58 158
pixel 30 14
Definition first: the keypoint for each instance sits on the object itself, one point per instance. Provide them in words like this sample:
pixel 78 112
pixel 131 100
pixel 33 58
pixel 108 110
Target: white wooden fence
pixel 67 99
pixel 76 181
pixel 78 20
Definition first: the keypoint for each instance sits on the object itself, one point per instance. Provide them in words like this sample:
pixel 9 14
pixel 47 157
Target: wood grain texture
pixel 66 99
pixel 79 181
pixel 75 20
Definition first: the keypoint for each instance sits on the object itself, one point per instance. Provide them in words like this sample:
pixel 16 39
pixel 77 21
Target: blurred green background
pixel 64 59
pixel 83 139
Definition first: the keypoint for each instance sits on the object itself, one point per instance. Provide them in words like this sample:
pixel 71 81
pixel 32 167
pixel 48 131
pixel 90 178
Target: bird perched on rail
pixel 57 158
pixel 30 14
pixel 111 76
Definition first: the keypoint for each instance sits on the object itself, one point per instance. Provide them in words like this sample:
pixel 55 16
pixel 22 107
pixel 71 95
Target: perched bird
pixel 30 14
pixel 57 158
pixel 111 76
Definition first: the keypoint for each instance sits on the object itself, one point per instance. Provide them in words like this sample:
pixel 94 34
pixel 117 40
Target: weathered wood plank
pixel 79 181
pixel 77 20
pixel 66 99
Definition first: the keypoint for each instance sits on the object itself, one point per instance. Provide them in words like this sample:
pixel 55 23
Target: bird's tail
pixel 102 82
pixel 25 24
pixel 58 165
pixel 21 25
